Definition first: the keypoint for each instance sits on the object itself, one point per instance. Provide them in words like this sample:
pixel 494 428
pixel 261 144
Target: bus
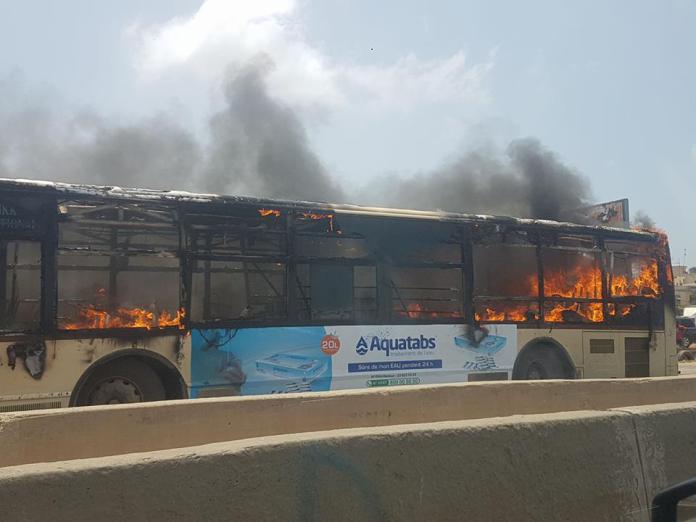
pixel 113 295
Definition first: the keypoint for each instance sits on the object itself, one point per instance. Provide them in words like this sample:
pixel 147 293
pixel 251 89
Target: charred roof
pixel 176 197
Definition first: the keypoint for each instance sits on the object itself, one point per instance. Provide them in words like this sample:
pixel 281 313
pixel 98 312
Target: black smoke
pixel 525 180
pixel 258 146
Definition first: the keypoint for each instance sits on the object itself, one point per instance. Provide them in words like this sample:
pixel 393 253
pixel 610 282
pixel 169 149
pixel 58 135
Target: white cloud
pixel 411 81
pixel 224 32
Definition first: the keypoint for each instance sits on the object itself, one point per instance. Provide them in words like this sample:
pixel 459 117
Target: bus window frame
pixel 481 236
pixel 163 216
pixel 43 231
pixel 50 211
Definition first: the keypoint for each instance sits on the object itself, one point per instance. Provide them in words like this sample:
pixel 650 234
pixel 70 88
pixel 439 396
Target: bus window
pixel 232 290
pixel 427 293
pixel 632 275
pixel 403 243
pixel 251 234
pixel 20 292
pixel 632 280
pixel 117 268
pixel 572 286
pixel 506 286
pixel 336 292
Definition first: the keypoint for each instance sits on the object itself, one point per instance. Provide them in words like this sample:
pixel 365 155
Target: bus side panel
pixel 611 354
pixel 30 379
pixel 568 338
pixel 253 361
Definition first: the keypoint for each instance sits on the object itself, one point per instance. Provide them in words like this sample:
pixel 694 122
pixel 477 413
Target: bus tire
pixel 541 361
pixel 122 381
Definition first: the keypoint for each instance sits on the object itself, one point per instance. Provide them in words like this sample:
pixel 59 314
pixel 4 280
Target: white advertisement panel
pixel 257 361
pixel 371 356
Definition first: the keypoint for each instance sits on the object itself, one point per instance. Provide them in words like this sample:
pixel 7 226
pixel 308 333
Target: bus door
pixel 20 285
pixel 22 233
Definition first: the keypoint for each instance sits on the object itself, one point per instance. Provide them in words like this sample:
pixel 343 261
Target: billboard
pixel 255 361
pixel 610 214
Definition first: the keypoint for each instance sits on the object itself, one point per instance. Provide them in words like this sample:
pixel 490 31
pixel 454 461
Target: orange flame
pixel 315 216
pixel 515 312
pixel 646 284
pixel 269 212
pixel 92 318
pixel 593 312
pixel 581 282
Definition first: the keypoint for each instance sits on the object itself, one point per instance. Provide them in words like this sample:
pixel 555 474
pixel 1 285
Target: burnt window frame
pixel 36 209
pixel 655 306
pixel 307 223
pixel 194 219
pixel 479 235
pixel 47 233
pixel 550 240
pixel 162 216
pixel 389 287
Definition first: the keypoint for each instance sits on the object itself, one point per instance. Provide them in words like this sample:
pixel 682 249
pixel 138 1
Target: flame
pixel 515 312
pixel 581 282
pixel 593 312
pixel 269 212
pixel 623 309
pixel 646 284
pixel 90 318
pixel 316 216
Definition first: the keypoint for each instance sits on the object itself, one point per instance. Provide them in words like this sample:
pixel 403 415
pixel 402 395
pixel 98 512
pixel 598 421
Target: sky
pixel 394 87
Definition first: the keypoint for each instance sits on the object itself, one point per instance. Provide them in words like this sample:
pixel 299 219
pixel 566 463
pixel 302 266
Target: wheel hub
pixel 536 372
pixel 115 390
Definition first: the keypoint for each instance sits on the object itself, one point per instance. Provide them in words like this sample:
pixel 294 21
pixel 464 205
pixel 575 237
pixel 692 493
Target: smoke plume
pixel 525 181
pixel 258 146
pixel 641 219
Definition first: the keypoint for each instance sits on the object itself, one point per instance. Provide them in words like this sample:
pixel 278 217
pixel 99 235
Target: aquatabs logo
pixel 397 344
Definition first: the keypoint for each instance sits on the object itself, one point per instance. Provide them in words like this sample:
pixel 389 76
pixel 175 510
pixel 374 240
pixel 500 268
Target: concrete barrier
pixel 666 436
pixel 55 435
pixel 576 466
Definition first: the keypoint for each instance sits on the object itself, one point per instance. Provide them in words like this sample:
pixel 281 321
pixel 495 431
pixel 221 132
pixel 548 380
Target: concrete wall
pixel 567 466
pixel 666 437
pixel 93 432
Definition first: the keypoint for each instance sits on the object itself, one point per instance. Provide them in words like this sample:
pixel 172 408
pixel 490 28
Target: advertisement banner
pixel 253 361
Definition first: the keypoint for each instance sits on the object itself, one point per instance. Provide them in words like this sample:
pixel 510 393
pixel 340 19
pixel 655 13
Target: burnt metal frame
pixel 538 242
pixel 49 268
pixel 150 221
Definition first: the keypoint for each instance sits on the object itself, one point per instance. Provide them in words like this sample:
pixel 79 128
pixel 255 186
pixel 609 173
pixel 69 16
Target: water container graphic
pixel 292 366
pixel 489 345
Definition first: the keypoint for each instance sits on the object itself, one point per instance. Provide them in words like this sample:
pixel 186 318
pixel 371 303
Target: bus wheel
pixel 540 362
pixel 120 382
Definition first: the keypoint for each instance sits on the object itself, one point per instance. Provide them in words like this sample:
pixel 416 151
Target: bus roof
pixel 177 196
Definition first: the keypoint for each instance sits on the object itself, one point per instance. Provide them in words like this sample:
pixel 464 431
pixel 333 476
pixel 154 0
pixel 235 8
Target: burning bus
pixel 113 295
